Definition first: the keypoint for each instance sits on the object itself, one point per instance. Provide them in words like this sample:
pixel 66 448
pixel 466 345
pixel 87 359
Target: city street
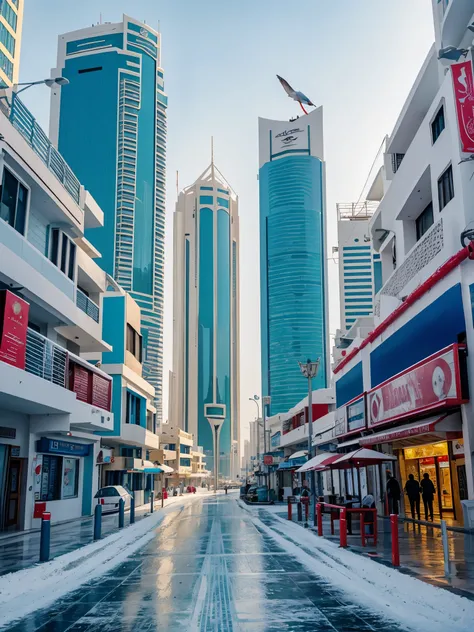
pixel 208 568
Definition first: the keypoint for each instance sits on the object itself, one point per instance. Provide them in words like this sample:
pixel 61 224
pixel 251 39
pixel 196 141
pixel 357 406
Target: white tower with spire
pixel 204 382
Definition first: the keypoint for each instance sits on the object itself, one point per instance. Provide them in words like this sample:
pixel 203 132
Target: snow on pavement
pixel 405 599
pixel 28 590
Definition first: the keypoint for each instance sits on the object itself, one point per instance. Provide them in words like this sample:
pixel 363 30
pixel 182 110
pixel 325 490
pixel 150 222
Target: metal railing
pixel 45 359
pixel 22 119
pixel 87 306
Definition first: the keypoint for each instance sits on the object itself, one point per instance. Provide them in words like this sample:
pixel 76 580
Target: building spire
pixel 212 157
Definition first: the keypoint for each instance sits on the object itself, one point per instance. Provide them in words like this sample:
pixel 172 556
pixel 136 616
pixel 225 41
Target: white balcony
pixel 132 434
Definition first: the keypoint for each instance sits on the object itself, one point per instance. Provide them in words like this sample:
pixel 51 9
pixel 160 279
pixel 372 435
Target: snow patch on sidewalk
pixel 402 598
pixel 31 589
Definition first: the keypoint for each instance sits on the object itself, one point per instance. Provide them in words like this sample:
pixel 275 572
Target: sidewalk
pixel 21 550
pixel 421 550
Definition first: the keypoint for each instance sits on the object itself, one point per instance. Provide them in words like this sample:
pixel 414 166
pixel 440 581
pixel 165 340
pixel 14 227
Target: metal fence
pixel 45 359
pixel 22 119
pixel 87 306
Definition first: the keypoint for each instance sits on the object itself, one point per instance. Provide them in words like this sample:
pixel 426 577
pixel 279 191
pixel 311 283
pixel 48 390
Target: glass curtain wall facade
pixel 11 24
pixel 110 125
pixel 205 337
pixel 292 258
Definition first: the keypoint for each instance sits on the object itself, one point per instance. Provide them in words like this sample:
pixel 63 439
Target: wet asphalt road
pixel 208 569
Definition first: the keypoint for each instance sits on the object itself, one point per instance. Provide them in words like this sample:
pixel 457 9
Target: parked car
pixel 252 494
pixel 110 496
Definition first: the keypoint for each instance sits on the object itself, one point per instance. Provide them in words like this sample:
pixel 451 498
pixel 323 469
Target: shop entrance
pixel 431 459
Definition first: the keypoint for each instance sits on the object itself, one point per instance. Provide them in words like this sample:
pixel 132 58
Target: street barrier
pixel 45 539
pixel 395 543
pixel 152 501
pixel 444 539
pixel 98 522
pixel 121 513
pixel 290 510
pixel 337 512
pixel 132 510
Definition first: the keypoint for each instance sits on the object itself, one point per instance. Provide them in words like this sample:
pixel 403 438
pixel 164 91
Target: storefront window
pixel 51 478
pixel 70 478
pixel 424 451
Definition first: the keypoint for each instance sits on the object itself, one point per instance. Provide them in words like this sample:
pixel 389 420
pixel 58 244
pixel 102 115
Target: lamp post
pixel 57 81
pixel 255 399
pixel 266 401
pixel 216 425
pixel 309 370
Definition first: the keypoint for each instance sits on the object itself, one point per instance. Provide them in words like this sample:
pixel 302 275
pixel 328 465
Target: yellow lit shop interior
pixel 444 462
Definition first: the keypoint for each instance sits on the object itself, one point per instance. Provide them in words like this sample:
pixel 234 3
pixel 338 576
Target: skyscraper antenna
pixel 212 156
pixel 100 18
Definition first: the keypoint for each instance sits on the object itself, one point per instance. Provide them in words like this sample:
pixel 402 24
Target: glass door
pixel 428 466
pixel 444 483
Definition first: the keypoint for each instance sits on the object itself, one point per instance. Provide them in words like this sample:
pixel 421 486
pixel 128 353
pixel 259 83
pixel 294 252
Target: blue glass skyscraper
pixel 293 299
pixel 110 125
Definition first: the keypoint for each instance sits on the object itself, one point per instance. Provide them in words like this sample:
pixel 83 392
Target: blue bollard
pixel 121 513
pixel 45 541
pixel 300 511
pixel 132 509
pixel 98 522
pixel 152 501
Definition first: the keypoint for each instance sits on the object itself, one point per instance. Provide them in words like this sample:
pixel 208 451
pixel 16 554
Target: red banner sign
pixel 432 384
pixel 464 97
pixel 13 329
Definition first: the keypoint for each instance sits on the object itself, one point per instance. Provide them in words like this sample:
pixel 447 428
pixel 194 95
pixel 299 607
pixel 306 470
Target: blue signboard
pixel 55 446
pixel 275 439
pixel 356 415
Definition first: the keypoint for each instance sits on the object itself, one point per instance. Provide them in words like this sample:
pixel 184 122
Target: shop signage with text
pixel 432 384
pixel 464 98
pixel 13 329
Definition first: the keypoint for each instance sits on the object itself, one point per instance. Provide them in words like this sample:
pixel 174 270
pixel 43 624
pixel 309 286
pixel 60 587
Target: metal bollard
pixel 45 541
pixel 290 510
pixel 132 509
pixel 121 513
pixel 152 501
pixel 162 498
pixel 319 518
pixel 343 528
pixel 98 522
pixel 444 539
pixel 395 544
pixel 300 512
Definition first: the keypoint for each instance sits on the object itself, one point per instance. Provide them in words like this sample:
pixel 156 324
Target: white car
pixel 110 496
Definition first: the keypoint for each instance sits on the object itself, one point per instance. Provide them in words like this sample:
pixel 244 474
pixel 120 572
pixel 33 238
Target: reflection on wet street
pixel 208 569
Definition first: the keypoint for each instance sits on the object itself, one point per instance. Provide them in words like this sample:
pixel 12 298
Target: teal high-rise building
pixel 293 287
pixel 109 123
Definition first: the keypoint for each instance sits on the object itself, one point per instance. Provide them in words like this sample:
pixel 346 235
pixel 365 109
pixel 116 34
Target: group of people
pixel 413 490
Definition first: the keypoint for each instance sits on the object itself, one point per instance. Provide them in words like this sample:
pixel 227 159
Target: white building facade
pixel 52 401
pixel 407 386
pixel 205 377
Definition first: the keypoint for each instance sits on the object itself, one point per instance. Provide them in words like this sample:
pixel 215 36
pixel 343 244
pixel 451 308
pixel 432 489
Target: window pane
pixel 51 477
pixel 9 194
pixel 70 477
pixel 137 410
pixel 128 411
pixel 54 246
pixel 72 260
pixel 64 247
pixel 20 218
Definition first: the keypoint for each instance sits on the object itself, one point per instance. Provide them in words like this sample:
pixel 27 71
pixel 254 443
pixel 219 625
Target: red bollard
pixel 319 514
pixel 395 545
pixel 343 528
pixel 290 508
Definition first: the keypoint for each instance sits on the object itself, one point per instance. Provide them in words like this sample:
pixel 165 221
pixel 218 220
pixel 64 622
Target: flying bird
pixel 295 94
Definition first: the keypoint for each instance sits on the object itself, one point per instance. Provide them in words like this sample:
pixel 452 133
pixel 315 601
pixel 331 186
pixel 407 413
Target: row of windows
pixel 62 252
pixel 6 65
pixel 7 39
pixel 132 414
pixel 134 343
pixel 9 15
pixel 445 194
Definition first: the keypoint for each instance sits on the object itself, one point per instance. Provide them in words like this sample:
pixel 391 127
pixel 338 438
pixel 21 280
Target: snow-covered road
pixel 209 564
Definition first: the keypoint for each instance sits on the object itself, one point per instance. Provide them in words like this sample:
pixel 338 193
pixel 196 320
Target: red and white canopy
pixel 319 462
pixel 361 458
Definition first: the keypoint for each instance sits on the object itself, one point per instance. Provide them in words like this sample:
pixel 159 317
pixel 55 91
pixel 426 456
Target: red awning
pixel 361 458
pixel 326 464
pixel 426 431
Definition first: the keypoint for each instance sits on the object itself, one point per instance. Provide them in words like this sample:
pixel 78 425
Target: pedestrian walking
pixel 413 490
pixel 427 492
pixel 393 493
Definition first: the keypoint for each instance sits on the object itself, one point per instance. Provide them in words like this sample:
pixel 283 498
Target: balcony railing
pixel 22 119
pixel 45 359
pixel 87 306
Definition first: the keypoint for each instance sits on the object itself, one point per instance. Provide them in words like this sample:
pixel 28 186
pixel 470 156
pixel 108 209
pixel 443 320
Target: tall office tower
pixel 11 23
pixel 205 378
pixel 360 268
pixel 293 299
pixel 110 125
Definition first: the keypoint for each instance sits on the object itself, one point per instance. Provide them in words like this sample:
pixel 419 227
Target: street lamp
pixel 256 399
pixel 216 425
pixel 57 81
pixel 310 370
pixel 266 401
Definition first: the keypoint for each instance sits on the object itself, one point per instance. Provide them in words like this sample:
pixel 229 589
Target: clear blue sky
pixel 358 59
